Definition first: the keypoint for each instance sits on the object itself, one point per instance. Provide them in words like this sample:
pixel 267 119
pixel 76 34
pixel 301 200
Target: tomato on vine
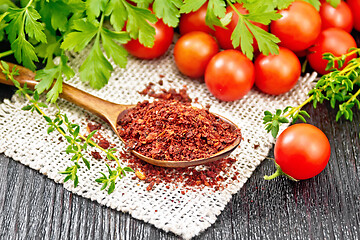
pixel 163 39
pixel 193 51
pixel 298 27
pixel 340 17
pixel 195 21
pixel 229 75
pixel 331 40
pixel 355 9
pixel 301 151
pixel 277 74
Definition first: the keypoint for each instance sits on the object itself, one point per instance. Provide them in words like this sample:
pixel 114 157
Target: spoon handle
pixel 106 110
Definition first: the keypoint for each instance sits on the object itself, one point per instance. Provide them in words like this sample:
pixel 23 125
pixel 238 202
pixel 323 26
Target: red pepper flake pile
pixel 174 131
pixel 170 94
pixel 211 175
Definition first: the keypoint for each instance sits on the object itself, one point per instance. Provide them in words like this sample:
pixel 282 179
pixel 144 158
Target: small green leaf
pixel 128 169
pixel 86 162
pixel 67 178
pixel 27 108
pixel 111 187
pixel 76 181
pixel 275 128
pixel 76 132
pixel 283 120
pixel 304 113
pixel 104 185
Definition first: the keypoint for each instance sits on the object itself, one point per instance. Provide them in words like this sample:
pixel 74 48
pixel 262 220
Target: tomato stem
pixel 278 172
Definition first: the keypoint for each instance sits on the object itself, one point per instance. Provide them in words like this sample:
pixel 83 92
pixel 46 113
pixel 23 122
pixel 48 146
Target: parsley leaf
pixel 56 14
pixel 94 8
pixel 168 10
pixel 96 69
pixel 191 5
pixel 49 49
pixel 21 22
pixel 266 41
pixel 32 27
pixel 118 14
pixel 47 77
pixel 112 49
pixel 138 24
pixel 215 11
pixel 334 3
pixel 264 17
pixel 266 5
pixel 246 39
pixel 315 3
pixel 77 40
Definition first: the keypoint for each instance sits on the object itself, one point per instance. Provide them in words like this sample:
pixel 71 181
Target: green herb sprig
pixel 77 143
pixel 336 87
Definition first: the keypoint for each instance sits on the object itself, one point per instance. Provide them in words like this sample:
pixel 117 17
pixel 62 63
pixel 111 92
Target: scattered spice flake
pixel 150 186
pixel 161 75
pixel 140 175
pixel 161 82
pixel 256 146
pixel 190 178
pixel 147 89
pixel 104 143
pixel 96 155
pixel 174 131
pixel 170 94
pixel 93 126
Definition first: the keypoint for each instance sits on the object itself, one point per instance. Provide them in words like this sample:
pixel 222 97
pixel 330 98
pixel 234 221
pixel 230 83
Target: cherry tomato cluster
pixel 229 74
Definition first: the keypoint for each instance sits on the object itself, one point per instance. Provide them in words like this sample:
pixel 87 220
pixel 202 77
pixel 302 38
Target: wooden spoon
pixel 111 113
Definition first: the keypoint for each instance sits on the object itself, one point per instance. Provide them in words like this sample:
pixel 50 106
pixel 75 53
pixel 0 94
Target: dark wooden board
pixel 324 207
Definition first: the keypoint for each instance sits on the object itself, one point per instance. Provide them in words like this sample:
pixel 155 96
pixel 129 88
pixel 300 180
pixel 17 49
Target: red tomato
pixel 277 74
pixel 224 35
pixel 193 52
pixel 333 40
pixel 229 75
pixel 298 27
pixel 163 39
pixel 355 9
pixel 302 151
pixel 340 17
pixel 194 21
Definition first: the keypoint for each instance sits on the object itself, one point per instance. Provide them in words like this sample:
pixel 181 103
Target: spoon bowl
pixel 112 112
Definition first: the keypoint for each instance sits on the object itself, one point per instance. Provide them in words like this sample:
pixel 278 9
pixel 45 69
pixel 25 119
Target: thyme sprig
pixel 77 143
pixel 337 87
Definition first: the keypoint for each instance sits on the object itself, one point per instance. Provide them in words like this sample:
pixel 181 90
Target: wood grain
pixel 324 207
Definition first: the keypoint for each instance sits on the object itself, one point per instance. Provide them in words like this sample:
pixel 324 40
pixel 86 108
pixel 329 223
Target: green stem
pixel 235 9
pixel 353 97
pixel 299 107
pixel 29 3
pixel 278 172
pixel 7 53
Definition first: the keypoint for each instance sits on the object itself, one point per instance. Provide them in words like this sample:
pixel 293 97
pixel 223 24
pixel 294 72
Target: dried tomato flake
pixel 93 126
pixel 104 143
pixel 171 94
pixel 150 186
pixel 96 155
pixel 140 175
pixel 174 131
pixel 188 178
